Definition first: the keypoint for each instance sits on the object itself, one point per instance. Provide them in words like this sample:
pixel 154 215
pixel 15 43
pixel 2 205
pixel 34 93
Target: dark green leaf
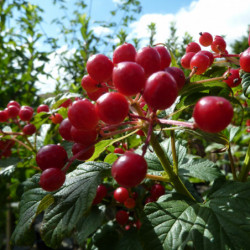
pixel 245 83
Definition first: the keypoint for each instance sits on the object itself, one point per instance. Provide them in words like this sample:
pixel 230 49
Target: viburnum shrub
pixel 145 158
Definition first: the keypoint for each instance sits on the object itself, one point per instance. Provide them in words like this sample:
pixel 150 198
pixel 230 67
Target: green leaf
pixel 72 201
pixel 29 204
pixel 245 83
pixel 111 158
pixel 45 203
pixel 223 222
pixel 89 224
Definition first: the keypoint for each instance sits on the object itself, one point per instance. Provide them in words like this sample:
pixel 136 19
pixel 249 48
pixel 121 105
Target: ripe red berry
pixel 85 137
pixel 82 115
pixel 160 90
pixel 56 118
pixel 13 111
pixel 87 151
pixel 129 203
pixel 213 113
pixel 14 103
pixel 99 92
pixel 208 54
pixel 65 129
pixel 128 78
pixel 200 62
pixel 157 190
pixel 233 80
pixel 42 108
pixel 4 116
pixel 51 156
pixel 89 84
pixel 29 129
pixel 101 192
pixel 121 194
pixel 124 53
pixel 205 39
pixel 66 103
pixel 129 170
pixel 112 107
pixel 119 151
pixel 193 47
pixel 178 75
pixel 52 179
pixel 25 113
pixel 149 59
pixel 218 45
pixel 185 60
pixel 122 217
pixel 245 60
pixel 164 55
pixel 100 67
pixel 150 199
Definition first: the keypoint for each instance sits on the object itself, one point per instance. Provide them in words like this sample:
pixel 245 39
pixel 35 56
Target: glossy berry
pixel 101 192
pixel 121 194
pixel 52 179
pixel 42 108
pixel 205 39
pixel 129 170
pixel 89 84
pixel 51 156
pixel 208 54
pixel 65 129
pixel 4 116
pixel 100 67
pixel 56 118
pixel 112 107
pixel 245 60
pixel 99 92
pixel 218 45
pixel 164 55
pixel 29 129
pixel 122 217
pixel 233 79
pixel 14 103
pixel 129 203
pixel 200 62
pixel 128 78
pixel 66 103
pixel 119 151
pixel 13 111
pixel 157 190
pixel 87 151
pixel 82 115
pixel 124 53
pixel 25 113
pixel 185 60
pixel 193 47
pixel 149 59
pixel 178 75
pixel 213 113
pixel 85 137
pixel 160 90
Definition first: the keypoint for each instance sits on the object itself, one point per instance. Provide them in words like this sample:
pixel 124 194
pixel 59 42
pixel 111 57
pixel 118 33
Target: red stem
pixel 226 55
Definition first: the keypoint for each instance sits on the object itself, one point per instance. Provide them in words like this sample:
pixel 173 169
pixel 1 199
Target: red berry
pixel 4 116
pixel 248 122
pixel 245 60
pixel 122 217
pixel 208 54
pixel 65 129
pixel 13 103
pixel 66 103
pixel 121 194
pixel 85 137
pixel 89 84
pixel 99 92
pixel 119 151
pixel 129 170
pixel 218 45
pixel 200 62
pixel 233 79
pixel 185 60
pixel 101 192
pixel 129 203
pixel 150 199
pixel 178 75
pixel 160 90
pixel 13 111
pixel 164 55
pixel 87 151
pixel 193 47
pixel 52 179
pixel 128 78
pixel 56 118
pixel 82 115
pixel 42 108
pixel 213 113
pixel 100 67
pixel 51 156
pixel 205 39
pixel 124 53
pixel 29 129
pixel 112 107
pixel 149 59
pixel 157 190
pixel 25 113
